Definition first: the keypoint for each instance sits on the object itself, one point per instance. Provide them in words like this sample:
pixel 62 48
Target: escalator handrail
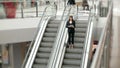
pixel 62 45
pixel 62 35
pixel 31 44
pixel 62 38
pixel 58 42
pixel 64 12
pixel 39 40
pixel 36 45
pixel 88 40
pixel 99 52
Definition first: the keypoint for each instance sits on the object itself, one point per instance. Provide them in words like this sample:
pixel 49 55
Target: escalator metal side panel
pixel 59 65
pixel 88 46
pixel 36 44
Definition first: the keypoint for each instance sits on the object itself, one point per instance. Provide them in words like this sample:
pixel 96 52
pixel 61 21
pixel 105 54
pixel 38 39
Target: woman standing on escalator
pixel 71 31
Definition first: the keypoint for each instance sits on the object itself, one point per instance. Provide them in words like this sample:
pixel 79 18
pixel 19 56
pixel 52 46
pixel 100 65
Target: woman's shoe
pixel 69 46
pixel 72 46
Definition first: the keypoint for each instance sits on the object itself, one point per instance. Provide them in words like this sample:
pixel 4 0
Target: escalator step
pixel 50 34
pixel 46 50
pixel 79 22
pixel 39 66
pixel 71 62
pixel 48 39
pixel 80 35
pixel 82 21
pixel 55 22
pixel 70 66
pixel 43 55
pixel 41 61
pixel 52 25
pixel 51 30
pixel 81 25
pixel 74 50
pixel 78 45
pixel 73 56
pixel 48 44
pixel 80 29
pixel 79 39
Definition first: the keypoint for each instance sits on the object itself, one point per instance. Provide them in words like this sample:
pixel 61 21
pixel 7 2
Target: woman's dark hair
pixel 96 42
pixel 70 17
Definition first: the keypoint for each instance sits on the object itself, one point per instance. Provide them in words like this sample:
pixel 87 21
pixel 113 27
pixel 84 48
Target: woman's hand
pixel 72 26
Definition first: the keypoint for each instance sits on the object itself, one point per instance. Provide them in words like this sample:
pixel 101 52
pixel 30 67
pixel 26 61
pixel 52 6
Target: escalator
pixel 73 56
pixel 41 53
pixel 46 45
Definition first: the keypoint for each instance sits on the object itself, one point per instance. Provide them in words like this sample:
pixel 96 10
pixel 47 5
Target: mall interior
pixel 33 34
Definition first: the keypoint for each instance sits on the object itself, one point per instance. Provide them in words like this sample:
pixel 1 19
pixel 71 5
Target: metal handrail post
pixel 36 8
pixel 77 11
pixel 22 13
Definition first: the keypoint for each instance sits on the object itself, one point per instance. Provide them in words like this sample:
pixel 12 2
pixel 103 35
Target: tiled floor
pixel 115 48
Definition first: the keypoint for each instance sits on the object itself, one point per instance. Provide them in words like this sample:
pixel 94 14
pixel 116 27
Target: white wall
pixel 17 30
pixel 99 27
pixel 21 30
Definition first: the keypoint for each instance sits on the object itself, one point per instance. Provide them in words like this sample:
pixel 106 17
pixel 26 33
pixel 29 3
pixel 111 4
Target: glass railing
pixel 103 7
pixel 26 9
pixel 101 57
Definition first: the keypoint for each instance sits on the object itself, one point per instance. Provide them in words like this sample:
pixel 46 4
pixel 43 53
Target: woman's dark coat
pixel 69 28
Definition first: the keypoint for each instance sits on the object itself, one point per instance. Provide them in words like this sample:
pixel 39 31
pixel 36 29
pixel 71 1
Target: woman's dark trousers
pixel 70 37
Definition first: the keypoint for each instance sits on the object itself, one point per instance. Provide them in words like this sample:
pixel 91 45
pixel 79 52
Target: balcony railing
pixel 15 9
